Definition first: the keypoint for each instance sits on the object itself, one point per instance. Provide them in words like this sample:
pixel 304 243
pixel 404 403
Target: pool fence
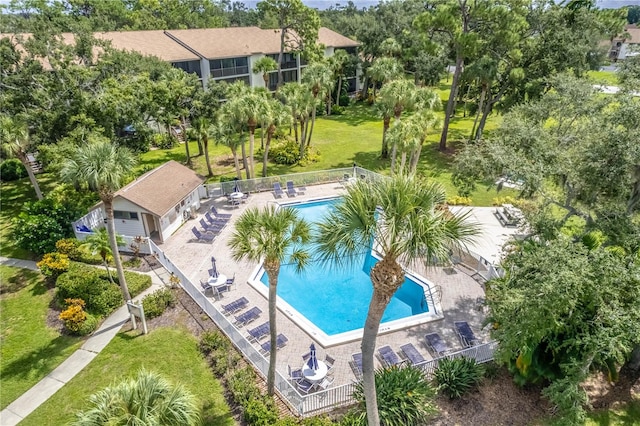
pixel 304 405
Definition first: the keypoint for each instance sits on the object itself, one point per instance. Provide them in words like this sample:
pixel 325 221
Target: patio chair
pixel 248 317
pixel 412 354
pixel 305 386
pixel 389 356
pixel 215 220
pixel 210 228
pixel 291 191
pixel 281 341
pixel 326 382
pixel 295 375
pixel 277 190
pixel 329 361
pixel 259 332
pixel 305 357
pixel 356 364
pixel 231 282
pixel 436 344
pixel 235 306
pixel 220 215
pixel 206 236
pixel 464 332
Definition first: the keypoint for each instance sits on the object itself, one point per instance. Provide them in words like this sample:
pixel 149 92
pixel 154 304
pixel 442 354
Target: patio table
pixel 219 280
pixel 315 375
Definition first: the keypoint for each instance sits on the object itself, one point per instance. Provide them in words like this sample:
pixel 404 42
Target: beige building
pixel 626 45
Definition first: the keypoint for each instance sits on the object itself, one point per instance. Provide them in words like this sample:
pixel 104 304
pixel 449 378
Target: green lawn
pixel 171 352
pixel 628 415
pixel 14 195
pixel 30 349
pixel 354 136
pixel 608 78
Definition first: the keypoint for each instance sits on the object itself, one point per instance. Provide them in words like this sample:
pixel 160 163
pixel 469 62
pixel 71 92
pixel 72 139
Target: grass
pixel 14 195
pixel 608 78
pixel 171 352
pixel 30 349
pixel 627 415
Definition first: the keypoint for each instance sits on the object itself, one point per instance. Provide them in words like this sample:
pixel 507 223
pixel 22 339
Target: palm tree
pixel 301 102
pixel 397 95
pixel 271 236
pixel 225 133
pixel 390 47
pixel 149 399
pixel 103 167
pixel 338 62
pixel 400 218
pixel 99 243
pixel 276 115
pixel 264 66
pixel 319 79
pixel 200 131
pixel 14 137
pixel 383 70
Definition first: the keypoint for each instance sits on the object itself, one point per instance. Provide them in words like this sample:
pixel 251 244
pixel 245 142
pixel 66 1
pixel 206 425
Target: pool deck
pixel 459 292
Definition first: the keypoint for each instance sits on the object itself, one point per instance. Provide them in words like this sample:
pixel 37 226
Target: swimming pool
pixel 331 304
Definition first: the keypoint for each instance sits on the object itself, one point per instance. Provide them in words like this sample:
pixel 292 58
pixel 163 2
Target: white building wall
pixel 129 227
pixel 205 71
pixel 255 79
pixel 172 220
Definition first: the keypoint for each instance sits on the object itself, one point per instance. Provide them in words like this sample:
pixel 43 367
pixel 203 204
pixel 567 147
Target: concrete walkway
pixel 45 388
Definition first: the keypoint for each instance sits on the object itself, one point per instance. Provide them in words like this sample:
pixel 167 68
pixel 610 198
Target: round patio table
pixel 315 375
pixel 219 280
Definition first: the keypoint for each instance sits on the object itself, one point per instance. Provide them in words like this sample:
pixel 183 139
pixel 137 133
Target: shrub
pixel 53 264
pixel 89 325
pixel 405 397
pixel 260 412
pixel 136 282
pixel 69 246
pixel 12 169
pixel 88 283
pixel 498 201
pixel 457 376
pixel 337 110
pixel 74 316
pixel 155 303
pixel 212 340
pixel 459 201
pixel 242 385
pixel 218 350
pixel 163 141
pixel 284 151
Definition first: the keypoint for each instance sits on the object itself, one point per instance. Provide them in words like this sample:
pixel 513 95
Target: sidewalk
pixel 15 412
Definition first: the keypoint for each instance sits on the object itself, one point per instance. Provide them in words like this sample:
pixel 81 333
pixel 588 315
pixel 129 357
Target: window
pixel 234 79
pixel 191 67
pixel 229 67
pixel 118 214
pixel 287 76
pixel 288 60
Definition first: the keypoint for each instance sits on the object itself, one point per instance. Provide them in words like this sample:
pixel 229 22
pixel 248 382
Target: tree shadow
pixel 355 115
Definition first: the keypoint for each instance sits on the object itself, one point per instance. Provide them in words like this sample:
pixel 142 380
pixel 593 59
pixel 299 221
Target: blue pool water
pixel 336 300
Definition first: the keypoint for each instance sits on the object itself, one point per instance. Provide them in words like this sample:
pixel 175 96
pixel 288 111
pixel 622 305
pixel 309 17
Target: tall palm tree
pixel 14 137
pixel 271 236
pixel 384 70
pixel 338 62
pixel 264 66
pixel 148 399
pixel 276 115
pixel 103 167
pixel 300 100
pixel 99 243
pixel 225 133
pixel 200 128
pixel 397 95
pixel 318 77
pixel 399 217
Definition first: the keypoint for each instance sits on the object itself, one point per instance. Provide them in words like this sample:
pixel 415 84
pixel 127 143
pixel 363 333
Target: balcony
pixel 229 72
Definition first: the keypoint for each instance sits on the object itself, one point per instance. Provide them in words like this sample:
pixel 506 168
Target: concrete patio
pixel 459 292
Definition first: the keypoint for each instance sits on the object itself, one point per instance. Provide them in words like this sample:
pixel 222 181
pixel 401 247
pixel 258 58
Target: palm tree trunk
pixel 295 128
pixel 186 140
pixel 236 162
pixel 106 266
pixel 487 110
pixel 313 121
pixel 244 160
pixel 403 160
pixel 205 142
pixel 273 269
pixel 451 102
pixel 304 124
pixel 339 91
pixel 385 145
pixel 365 88
pixel 413 166
pixel 329 100
pixel 252 137
pixel 111 230
pixel 265 155
pixel 32 176
pixel 394 152
pixel 480 109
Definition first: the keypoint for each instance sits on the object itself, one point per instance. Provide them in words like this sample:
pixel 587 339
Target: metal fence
pixel 305 405
pixel 299 179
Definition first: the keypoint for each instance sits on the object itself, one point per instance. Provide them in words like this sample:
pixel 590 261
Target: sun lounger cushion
pixel 235 306
pixel 281 341
pixel 467 338
pixel 412 353
pixel 249 316
pixel 435 342
pixel 389 356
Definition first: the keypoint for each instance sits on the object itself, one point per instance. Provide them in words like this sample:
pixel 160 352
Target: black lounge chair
pixel 305 386
pixel 464 332
pixel 259 332
pixel 277 190
pixel 436 344
pixel 412 354
pixel 291 191
pixel 200 236
pixel 248 317
pixel 389 356
pixel 235 306
pixel 281 341
pixel 220 215
pixel 214 229
pixel 356 364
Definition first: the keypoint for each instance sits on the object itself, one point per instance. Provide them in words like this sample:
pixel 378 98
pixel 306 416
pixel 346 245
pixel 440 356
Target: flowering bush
pixel 74 316
pixel 53 264
pixel 69 246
